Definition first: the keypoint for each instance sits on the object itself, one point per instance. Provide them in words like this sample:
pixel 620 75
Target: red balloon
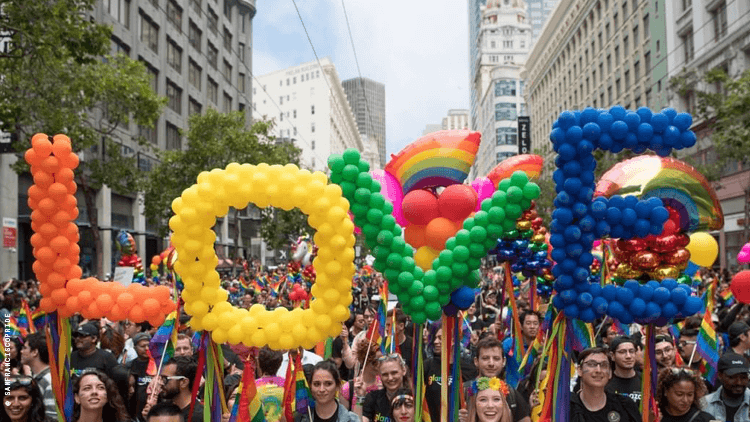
pixel 419 207
pixel 741 286
pixel 670 227
pixel 457 202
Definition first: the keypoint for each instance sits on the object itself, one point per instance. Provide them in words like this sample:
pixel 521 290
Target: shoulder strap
pixel 351 394
pixel 695 415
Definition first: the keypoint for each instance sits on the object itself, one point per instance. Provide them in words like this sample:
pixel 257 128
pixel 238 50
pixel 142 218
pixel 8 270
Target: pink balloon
pixel 744 256
pixel 357 230
pixel 391 190
pixel 484 189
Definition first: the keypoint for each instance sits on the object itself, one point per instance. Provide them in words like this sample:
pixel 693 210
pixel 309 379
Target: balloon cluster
pixel 129 256
pixel 743 257
pixel 55 246
pixel 525 246
pixel 579 218
pixel 298 293
pixel 168 257
pixel 285 187
pixel 453 275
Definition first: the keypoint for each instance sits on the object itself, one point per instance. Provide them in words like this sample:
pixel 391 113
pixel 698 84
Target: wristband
pixel 360 401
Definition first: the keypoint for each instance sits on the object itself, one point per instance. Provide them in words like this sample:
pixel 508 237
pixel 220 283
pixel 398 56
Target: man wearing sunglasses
pixel 625 381
pixel 87 355
pixel 593 403
pixel 731 402
pixel 176 385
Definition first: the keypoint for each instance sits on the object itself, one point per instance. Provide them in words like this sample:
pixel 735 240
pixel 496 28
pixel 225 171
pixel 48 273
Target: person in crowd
pixel 176 384
pixel 96 398
pixel 475 323
pixel 610 333
pixel 184 346
pixel 308 358
pixel 487 402
pixel 87 355
pixel 489 308
pixel 665 351
pixel 270 387
pixel 22 401
pixel 112 340
pixel 376 405
pixel 403 341
pixel 687 349
pixel 625 380
pixel 402 406
pixel 432 373
pixel 731 401
pixel 128 329
pixel 14 357
pixel 678 393
pixel 35 355
pixel 358 325
pixel 340 346
pixel 138 368
pixel 165 412
pixel 739 338
pixel 593 402
pixel 324 388
pixel 367 366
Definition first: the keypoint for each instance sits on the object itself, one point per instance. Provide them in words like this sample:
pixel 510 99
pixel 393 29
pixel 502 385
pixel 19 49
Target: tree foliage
pixel 214 141
pixel 54 78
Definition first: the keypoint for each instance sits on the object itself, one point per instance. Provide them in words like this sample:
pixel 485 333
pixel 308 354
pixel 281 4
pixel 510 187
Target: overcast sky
pixel 419 50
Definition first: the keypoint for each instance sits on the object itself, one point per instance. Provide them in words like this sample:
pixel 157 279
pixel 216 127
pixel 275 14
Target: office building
pixel 456 119
pixel 367 99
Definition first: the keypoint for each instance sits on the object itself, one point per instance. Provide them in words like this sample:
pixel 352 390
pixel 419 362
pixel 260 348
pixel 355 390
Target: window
pixel 625 46
pixel 173 137
pixel 281 117
pixel 647 62
pixel 508 44
pixel 149 33
pixel 241 52
pixel 227 71
pixel 601 72
pixel 212 91
pixel 506 136
pixel 212 55
pixel 195 36
pixel 227 39
pixel 686 4
pixel 148 133
pixel 312 144
pixel 492 44
pixel 174 97
pixel 312 127
pixel 614 20
pixel 120 47
pixel 648 98
pixel 636 71
pixel 646 28
pixel 228 9
pixel 687 42
pixel 194 74
pixel 174 55
pixel 627 79
pixel 609 63
pixel 194 107
pixel 196 5
pixel 617 55
pixel 624 9
pixel 241 82
pixel 504 156
pixel 609 95
pixel 606 31
pixel 719 19
pixel 213 20
pixel 281 100
pixel 505 111
pixel 227 103
pixel 294 113
pixel 601 42
pixel 174 14
pixel 119 10
pixel 523 43
pixel 505 87
pixel 312 109
pixel 153 75
pixel 508 59
pixel 635 36
pixel 294 132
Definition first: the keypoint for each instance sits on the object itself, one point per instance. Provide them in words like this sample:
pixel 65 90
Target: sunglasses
pixel 391 357
pixel 20 380
pixel 165 379
pixel 678 371
pixel 402 400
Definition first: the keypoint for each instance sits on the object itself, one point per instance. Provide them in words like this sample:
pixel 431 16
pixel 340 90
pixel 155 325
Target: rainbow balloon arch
pixel 428 232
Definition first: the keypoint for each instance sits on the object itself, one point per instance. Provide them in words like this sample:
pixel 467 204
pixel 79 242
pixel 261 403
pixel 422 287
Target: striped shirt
pixel 44 381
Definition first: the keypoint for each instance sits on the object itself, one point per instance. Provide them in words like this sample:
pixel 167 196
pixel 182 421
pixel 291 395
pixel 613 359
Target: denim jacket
pixel 714 405
pixel 344 416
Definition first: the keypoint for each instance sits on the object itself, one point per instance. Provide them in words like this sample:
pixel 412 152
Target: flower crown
pixel 484 383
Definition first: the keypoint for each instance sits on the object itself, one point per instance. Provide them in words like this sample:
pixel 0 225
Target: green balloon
pixel 396 228
pixel 460 254
pixel 418 317
pixel 481 218
pixel 450 243
pixel 376 201
pixel 444 299
pixel 351 156
pixel 387 208
pixel 526 234
pixel 512 211
pixel 398 244
pixel 363 166
pixel 394 261
pixel 370 231
pixel 433 310
pixel 379 266
pixel 435 264
pixel 474 279
pixel 336 178
pixel 462 237
pixel 460 270
pixel 385 238
pixel 504 185
pixel 525 203
pixel 469 223
pixel 417 302
pixel 364 180
pixel 511 233
pixel 348 189
pixel 474 263
pixel 359 211
pixel 381 252
pixel 531 191
pixel 515 194
pixel 478 234
pixel 685 279
pixel 457 282
pixel 405 280
pixel 376 216
pixel 486 204
pixel 336 163
pixel 389 223
pixel 489 243
pixel 395 288
pixel 416 288
pixel 476 250
pixel 391 274
pixel 496 215
pixel 350 173
pixel 446 257
pixel 499 199
pixel 430 293
pixel 362 196
pixel 443 273
pixel 519 178
pixel 444 287
pixel 418 273
pixel 403 299
pixel 494 231
pixel 430 278
pixel 375 187
pixel 408 251
pixel 407 264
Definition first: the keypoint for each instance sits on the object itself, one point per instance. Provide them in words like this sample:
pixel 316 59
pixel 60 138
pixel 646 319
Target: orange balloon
pixel 61 265
pixel 71 187
pixel 415 235
pixel 104 302
pixel 47 206
pixel 45 289
pixel 70 230
pixel 65 311
pixel 42 146
pixel 125 300
pixel 64 175
pixel 37 240
pixel 46 255
pixel 59 296
pixel 117 313
pixel 48 230
pixel 43 180
pixel 151 307
pixel 156 260
pixel 36 192
pixel 161 294
pixel 56 280
pixel 60 219
pixel 50 165
pixel 157 320
pixel 74 271
pixel 92 311
pixel 85 298
pixel 69 203
pixel 46 304
pixel 136 314
pixel 32 203
pixel 116 289
pixel 59 244
pixel 438 231
pixel 38 268
pixel 75 286
pixel 71 161
pixel 39 217
pixel 61 148
pixel 57 191
pixel 31 157
pixel 72 304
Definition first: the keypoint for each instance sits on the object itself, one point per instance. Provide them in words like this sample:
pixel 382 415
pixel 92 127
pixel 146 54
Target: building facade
pixel 504 40
pixel 367 99
pixel 706 36
pixel 310 108
pixel 456 119
pixel 198 53
pixel 596 53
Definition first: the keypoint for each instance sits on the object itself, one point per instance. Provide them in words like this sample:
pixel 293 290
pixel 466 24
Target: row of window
pixel 302 78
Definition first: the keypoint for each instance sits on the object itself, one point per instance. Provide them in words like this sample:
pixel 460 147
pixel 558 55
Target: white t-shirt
pixel 307 357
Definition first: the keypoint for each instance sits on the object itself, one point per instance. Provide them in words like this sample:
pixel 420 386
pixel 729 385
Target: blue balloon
pixel 661 295
pixel 568 296
pixel 450 309
pixel 573 135
pixel 624 295
pixel 600 305
pixel 626 317
pixel 566 119
pixel 669 310
pixel 571 311
pixel 567 152
pixel 572 185
pixel 645 114
pixel 587 315
pixel 683 121
pixel 632 119
pixel 614 215
pixel 604 120
pixel 605 142
pixel 618 130
pixel 463 297
pixel 659 215
pixel 644 133
pixel 653 310
pixel 646 292
pixel 659 122
pixel 589 114
pixel 557 302
pixel 570 169
pixel 678 296
pixel 692 268
pixel 632 285
pixel 670 113
pixel 629 217
pixel 688 139
pixel 669 283
pixel 671 136
pixel 618 112
pixel 580 275
pixel 585 299
pixel 637 307
pixel 692 306
pixel 591 131
pixel 586 259
pixel 615 309
pixel 609 292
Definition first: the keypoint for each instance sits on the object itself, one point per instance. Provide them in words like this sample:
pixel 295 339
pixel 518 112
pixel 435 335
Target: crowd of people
pixel 114 379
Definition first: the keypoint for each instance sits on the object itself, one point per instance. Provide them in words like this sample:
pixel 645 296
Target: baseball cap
pixel 737 328
pixel 87 330
pixel 733 364
pixel 617 341
pixel 140 336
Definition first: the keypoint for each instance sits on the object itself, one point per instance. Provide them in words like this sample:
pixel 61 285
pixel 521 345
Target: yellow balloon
pixel 424 256
pixel 703 249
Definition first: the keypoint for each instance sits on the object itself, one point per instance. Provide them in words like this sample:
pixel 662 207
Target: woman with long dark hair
pixel 325 386
pixel 679 392
pixel 23 401
pixel 97 399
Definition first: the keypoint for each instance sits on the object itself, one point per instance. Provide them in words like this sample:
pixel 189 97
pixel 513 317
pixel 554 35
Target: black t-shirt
pixel 333 417
pixel 731 411
pixel 102 360
pixel 138 368
pixel 693 415
pixel 197 413
pixel 377 407
pixel 337 351
pixel 407 351
pixel 618 408
pixel 628 387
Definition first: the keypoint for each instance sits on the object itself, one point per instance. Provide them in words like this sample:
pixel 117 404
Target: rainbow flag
pixel 727 297
pixel 290 386
pixel 382 314
pixel 531 354
pixel 707 344
pixel 302 391
pixel 12 328
pixel 162 344
pixel 25 322
pixel 244 282
pixel 39 318
pixel 517 352
pixel 583 335
pixel 247 399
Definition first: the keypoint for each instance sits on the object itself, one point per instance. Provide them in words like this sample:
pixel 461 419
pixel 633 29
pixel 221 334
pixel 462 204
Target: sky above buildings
pixel 419 50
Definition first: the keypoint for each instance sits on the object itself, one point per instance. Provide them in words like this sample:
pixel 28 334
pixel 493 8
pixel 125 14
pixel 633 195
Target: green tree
pixel 215 140
pixel 54 78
